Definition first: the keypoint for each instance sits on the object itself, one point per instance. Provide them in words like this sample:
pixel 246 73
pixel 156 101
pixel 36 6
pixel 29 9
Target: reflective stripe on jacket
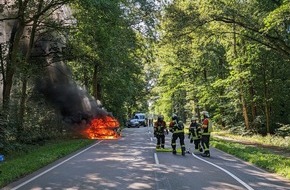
pixel 178 127
pixel 159 127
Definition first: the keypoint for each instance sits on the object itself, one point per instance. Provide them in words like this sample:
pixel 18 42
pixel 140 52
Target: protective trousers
pixel 205 143
pixel 175 136
pixel 196 144
pixel 160 141
pixel 195 138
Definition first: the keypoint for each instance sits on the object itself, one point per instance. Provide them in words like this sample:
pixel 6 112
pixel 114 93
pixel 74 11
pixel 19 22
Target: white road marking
pixel 156 159
pixel 44 172
pixel 226 171
pixel 149 132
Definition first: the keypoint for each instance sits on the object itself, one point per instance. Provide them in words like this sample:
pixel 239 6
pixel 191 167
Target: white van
pixel 141 118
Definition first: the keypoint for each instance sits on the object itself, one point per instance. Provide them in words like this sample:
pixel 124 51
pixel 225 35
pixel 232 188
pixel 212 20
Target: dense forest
pixel 64 62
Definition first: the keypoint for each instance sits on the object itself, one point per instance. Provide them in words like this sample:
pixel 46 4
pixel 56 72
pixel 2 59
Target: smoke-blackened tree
pixel 22 15
pixel 24 22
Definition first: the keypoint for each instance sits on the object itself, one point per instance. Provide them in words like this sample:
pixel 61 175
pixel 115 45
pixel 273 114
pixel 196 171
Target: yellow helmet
pixel 174 116
pixel 205 113
pixel 193 118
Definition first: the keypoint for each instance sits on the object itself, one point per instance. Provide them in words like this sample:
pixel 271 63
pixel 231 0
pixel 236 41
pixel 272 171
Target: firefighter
pixel 205 134
pixel 195 134
pixel 177 128
pixel 159 132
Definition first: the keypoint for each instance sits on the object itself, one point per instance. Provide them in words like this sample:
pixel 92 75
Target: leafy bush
pixel 283 130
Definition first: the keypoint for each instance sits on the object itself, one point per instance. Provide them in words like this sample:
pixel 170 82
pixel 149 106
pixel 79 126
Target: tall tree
pixel 223 37
pixel 108 48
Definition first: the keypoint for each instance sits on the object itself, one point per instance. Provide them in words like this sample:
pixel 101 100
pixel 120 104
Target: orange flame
pixel 103 128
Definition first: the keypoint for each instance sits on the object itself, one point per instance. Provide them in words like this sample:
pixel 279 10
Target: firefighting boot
pixel 208 154
pixel 157 146
pixel 183 151
pixel 162 146
pixel 205 154
pixel 173 148
pixel 200 148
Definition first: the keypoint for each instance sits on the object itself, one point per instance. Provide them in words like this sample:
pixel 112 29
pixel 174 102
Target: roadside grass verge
pixel 260 157
pixel 269 140
pixel 20 164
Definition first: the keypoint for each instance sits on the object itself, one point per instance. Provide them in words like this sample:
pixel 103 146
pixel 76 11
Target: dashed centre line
pixel 156 159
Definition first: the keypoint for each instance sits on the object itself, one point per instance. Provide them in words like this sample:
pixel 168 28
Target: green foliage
pixel 230 58
pixel 283 131
pixel 105 44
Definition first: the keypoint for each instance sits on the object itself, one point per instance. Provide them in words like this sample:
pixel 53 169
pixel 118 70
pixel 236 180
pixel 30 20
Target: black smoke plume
pixel 73 102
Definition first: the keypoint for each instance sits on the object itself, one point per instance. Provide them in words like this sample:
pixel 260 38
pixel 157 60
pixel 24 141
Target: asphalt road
pixel 132 162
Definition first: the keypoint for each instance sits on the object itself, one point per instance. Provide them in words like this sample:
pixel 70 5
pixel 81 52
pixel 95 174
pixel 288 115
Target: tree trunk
pixel 242 98
pixel 25 75
pixel 96 84
pixel 245 112
pixel 205 74
pixel 12 62
pixel 267 112
pixel 221 94
pixel 22 106
pixel 86 79
pixel 2 133
pixel 253 103
pixel 2 61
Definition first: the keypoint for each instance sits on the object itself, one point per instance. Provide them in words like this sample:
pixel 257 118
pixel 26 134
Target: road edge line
pixel 44 172
pixel 226 171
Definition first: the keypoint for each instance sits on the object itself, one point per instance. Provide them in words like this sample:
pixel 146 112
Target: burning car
pixel 106 127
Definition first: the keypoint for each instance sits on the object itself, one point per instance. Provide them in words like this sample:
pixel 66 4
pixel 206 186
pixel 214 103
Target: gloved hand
pixel 191 140
pixel 167 132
